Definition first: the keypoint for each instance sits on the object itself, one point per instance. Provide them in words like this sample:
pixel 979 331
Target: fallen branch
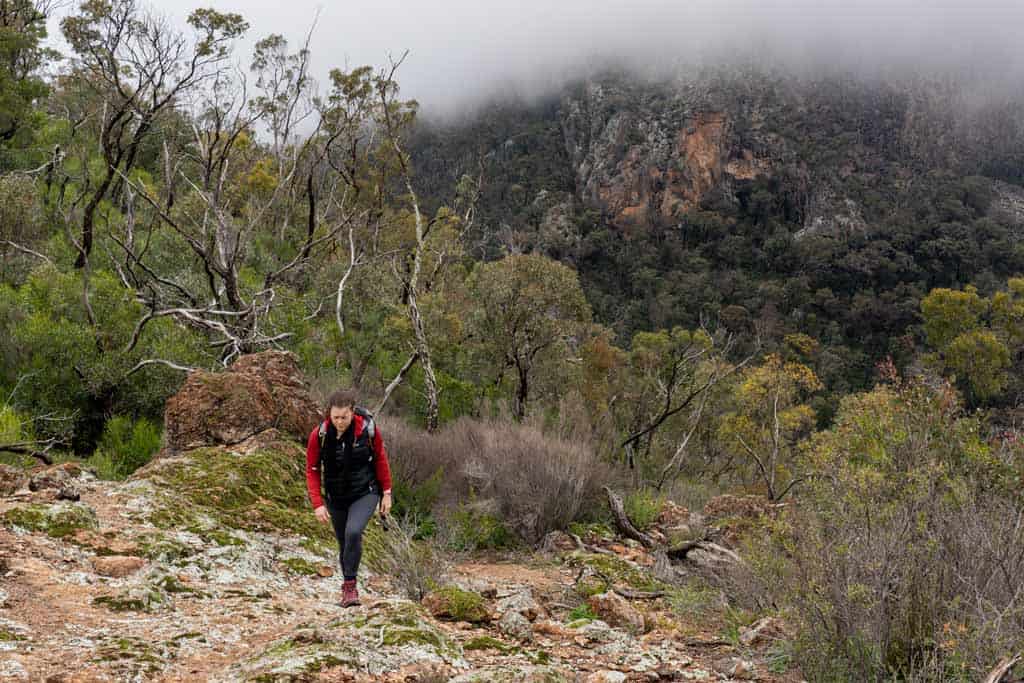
pixel 639 595
pixel 622 520
pixel 29 448
pixel 1002 668
pixel 697 642
pixel 26 250
pixel 158 361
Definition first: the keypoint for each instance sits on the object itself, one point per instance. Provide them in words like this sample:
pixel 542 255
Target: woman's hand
pixel 385 504
pixel 322 515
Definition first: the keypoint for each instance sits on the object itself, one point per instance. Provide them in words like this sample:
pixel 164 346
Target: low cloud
pixel 462 52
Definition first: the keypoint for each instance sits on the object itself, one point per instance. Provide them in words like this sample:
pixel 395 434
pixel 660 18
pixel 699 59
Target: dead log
pixel 1002 668
pixel 631 594
pixel 622 520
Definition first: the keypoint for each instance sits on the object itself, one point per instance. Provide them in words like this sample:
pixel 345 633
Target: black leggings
pixel 350 518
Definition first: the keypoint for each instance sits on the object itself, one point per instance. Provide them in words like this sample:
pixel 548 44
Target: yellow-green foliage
pixel 975 339
pixel 125 447
pixel 643 506
pixel 901 490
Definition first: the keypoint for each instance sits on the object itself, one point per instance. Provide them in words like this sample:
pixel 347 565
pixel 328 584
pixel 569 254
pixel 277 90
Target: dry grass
pixel 535 482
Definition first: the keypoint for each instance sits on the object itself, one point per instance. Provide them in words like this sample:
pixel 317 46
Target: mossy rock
pixel 376 640
pixel 515 674
pixel 617 571
pixel 308 651
pixel 134 656
pixel 160 546
pixel 298 565
pixel 489 643
pixel 57 521
pixel 457 604
pixel 400 622
pixel 136 600
pixel 262 490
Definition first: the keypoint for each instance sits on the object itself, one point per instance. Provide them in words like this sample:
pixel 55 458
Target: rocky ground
pixel 207 565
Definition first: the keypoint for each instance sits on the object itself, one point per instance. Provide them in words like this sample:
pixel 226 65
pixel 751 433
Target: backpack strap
pixel 322 441
pixel 368 424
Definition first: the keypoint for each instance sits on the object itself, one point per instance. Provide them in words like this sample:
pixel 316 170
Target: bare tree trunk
pixel 623 522
pixel 423 352
pixel 88 220
pixel 522 391
pixel 394 384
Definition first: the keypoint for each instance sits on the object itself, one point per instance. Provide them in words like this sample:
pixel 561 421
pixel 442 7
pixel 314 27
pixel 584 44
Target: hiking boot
pixel 349 594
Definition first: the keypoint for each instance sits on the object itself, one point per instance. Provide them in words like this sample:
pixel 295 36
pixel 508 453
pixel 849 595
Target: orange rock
pixel 258 392
pixel 616 611
pixel 117 566
pixel 551 628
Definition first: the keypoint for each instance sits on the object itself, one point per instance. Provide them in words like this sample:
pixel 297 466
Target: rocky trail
pixel 190 571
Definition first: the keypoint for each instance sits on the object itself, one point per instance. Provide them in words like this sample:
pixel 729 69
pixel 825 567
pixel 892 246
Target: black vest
pixel 348 465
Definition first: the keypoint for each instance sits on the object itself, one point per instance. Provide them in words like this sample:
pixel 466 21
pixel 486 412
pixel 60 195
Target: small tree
pixel 770 418
pixel 527 306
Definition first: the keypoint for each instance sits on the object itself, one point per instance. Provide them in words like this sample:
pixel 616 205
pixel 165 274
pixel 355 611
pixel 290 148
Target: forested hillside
pixel 768 203
pixel 798 293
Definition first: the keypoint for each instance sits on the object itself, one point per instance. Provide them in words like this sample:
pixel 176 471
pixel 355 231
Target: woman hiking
pixel 348 451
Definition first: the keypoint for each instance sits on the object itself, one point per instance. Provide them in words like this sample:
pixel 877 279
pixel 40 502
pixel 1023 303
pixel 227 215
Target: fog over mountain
pixel 461 52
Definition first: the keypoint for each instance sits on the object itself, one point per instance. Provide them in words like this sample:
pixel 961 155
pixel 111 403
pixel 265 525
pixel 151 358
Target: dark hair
pixel 342 398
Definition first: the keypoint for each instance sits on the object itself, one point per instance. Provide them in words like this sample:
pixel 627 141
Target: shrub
pixel 416 567
pixel 643 506
pixel 536 483
pixel 904 541
pixel 473 527
pixel 125 447
pixel 581 611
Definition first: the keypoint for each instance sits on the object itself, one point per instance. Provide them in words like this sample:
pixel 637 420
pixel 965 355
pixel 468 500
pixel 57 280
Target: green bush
pixel 581 611
pixel 416 501
pixel 643 506
pixel 903 540
pixel 125 447
pixel 470 528
pixel 68 366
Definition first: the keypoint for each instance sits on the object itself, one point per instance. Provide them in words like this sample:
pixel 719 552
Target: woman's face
pixel 341 418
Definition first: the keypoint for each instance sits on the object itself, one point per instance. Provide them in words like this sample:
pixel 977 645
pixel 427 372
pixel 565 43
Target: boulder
pixel 515 625
pixel 522 602
pixel 258 392
pixel 61 478
pixel 117 566
pixel 456 604
pixel 11 479
pixel 767 629
pixel 616 611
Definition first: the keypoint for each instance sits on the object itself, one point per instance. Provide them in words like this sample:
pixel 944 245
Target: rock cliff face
pixel 643 162
pixel 642 154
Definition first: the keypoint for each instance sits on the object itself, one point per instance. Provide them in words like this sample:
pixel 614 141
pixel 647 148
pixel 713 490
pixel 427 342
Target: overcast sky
pixel 462 51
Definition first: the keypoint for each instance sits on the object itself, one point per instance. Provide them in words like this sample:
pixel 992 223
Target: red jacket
pixel 380 461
